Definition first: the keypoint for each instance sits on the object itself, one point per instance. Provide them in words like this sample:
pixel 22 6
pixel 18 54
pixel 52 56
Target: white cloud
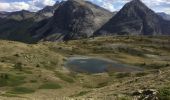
pixel 4 6
pixel 157 5
pixel 112 5
pixel 13 6
pixel 32 5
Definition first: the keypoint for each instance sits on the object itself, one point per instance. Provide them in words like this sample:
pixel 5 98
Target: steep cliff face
pixel 134 18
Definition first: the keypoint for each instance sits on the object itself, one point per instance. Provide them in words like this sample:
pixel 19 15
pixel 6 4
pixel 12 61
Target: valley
pixel 78 50
pixel 30 71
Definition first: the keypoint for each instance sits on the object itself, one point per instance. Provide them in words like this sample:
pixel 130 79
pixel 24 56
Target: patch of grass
pixel 155 66
pixel 88 86
pixel 103 84
pixel 11 80
pixel 80 94
pixel 9 95
pixel 49 65
pixel 21 90
pixel 27 72
pixel 110 73
pixel 131 51
pixel 124 98
pixel 50 86
pixel 123 75
pixel 141 74
pixel 64 77
pixel 33 81
pixel 164 93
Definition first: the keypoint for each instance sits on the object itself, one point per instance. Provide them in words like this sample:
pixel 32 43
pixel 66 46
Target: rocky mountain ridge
pixel 77 19
pixel 135 18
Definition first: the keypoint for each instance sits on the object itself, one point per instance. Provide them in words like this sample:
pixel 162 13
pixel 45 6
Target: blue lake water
pixel 97 65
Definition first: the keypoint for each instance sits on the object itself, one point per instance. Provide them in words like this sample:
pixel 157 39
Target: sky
pixel 112 5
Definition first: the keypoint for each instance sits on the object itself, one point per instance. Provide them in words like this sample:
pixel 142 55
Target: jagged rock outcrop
pixel 135 18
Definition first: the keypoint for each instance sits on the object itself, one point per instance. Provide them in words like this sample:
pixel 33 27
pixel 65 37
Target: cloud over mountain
pixel 112 5
pixel 32 5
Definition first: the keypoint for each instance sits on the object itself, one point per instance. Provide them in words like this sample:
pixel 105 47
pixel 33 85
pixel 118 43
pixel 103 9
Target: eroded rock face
pixel 76 18
pixel 134 18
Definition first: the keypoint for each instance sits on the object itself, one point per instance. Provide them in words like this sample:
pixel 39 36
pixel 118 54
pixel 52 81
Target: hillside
pixel 37 70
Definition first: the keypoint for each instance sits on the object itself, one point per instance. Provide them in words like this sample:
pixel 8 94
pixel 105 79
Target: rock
pixel 138 92
pixel 148 94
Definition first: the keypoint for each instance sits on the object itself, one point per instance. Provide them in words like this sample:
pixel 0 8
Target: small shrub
pixel 17 55
pixel 18 66
pixel 141 74
pixel 38 65
pixel 164 93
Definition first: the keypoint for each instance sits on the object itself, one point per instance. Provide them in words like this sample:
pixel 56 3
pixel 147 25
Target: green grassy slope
pixel 37 70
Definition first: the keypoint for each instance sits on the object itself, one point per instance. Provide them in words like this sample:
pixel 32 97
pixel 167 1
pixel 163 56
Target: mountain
pixel 15 30
pixel 74 19
pixel 46 12
pixel 164 15
pixel 135 18
pixel 14 26
pixel 20 15
pixel 4 14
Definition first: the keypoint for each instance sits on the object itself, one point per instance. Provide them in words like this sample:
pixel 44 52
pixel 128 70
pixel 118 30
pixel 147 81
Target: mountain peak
pixel 134 18
pixel 136 1
pixel 74 19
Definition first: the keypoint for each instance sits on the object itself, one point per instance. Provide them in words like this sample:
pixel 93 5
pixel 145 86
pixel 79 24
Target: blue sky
pixel 112 5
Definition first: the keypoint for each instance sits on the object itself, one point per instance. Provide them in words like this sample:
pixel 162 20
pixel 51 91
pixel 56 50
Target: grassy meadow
pixel 29 71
